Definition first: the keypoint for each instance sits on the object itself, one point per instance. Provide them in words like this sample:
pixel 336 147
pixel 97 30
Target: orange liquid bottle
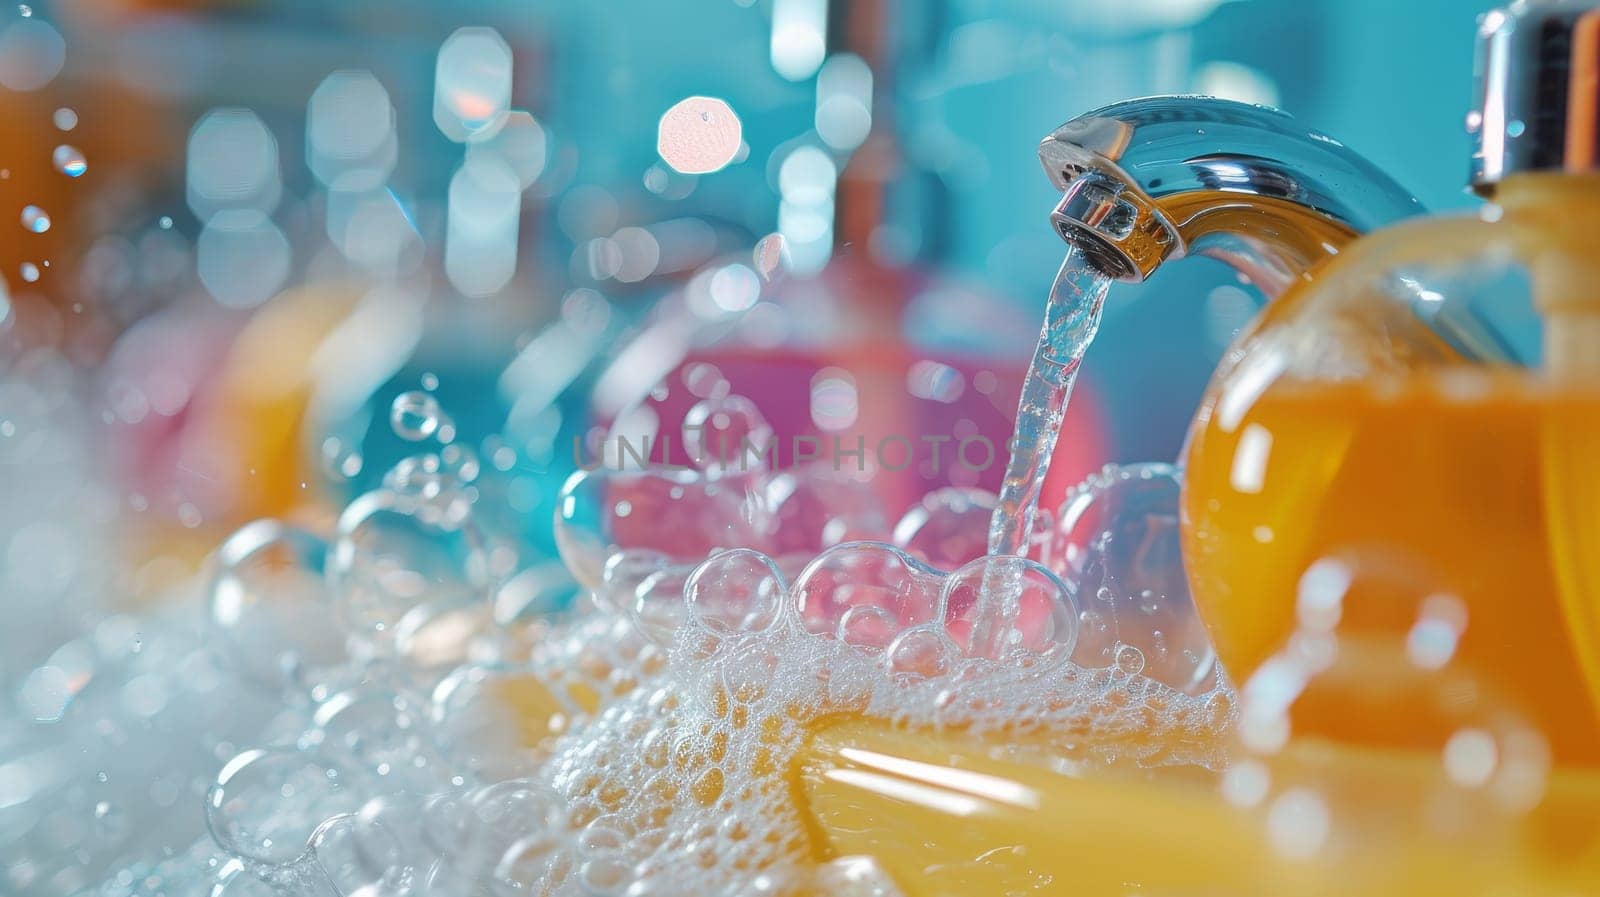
pixel 1429 404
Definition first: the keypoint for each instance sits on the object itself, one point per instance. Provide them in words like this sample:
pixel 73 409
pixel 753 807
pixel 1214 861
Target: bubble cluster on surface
pixel 441 730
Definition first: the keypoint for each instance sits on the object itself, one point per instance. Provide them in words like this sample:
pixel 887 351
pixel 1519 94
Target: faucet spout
pixel 1148 180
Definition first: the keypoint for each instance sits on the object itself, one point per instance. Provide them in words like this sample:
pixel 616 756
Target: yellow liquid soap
pixel 1346 427
pixel 1436 487
pixel 950 815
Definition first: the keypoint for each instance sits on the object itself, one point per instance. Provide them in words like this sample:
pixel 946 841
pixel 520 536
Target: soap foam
pixel 643 743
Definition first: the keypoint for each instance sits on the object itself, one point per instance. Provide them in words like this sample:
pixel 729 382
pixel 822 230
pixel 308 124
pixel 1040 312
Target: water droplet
pixel 69 160
pixel 414 415
pixel 30 272
pixel 35 219
pixel 65 119
pixel 165 222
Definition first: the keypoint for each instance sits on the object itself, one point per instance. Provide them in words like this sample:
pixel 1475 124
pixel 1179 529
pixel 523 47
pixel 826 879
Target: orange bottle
pixel 1429 404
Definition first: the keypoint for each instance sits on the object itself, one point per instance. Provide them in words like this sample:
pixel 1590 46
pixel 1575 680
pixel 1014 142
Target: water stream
pixel 1072 318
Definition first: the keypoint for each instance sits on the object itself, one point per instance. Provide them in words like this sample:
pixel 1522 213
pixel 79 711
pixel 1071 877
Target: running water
pixel 1071 320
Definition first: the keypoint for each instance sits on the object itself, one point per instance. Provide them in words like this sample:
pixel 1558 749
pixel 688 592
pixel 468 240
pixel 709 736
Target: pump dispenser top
pixel 1537 95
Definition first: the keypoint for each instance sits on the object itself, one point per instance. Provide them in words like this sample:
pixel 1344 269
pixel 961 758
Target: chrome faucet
pixel 1153 179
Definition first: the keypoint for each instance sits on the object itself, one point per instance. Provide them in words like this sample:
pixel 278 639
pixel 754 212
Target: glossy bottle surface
pixel 1427 407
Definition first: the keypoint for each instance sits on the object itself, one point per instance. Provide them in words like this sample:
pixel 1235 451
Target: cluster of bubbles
pixel 112 718
pixel 434 728
pixel 398 709
pixel 1111 557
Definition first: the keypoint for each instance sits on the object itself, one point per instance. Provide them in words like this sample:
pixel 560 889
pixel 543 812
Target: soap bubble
pixel 30 272
pixel 680 514
pixel 513 820
pixel 267 802
pixel 1010 608
pixel 658 608
pixel 394 553
pixel 35 219
pixel 418 476
pixel 439 635
pixel 459 463
pixel 736 591
pixel 900 591
pixel 809 510
pixel 1118 543
pixel 377 848
pixel 949 527
pixel 705 380
pixel 382 733
pixel 867 626
pixel 64 119
pixel 414 415
pixel 922 652
pixel 1127 660
pixel 270 604
pixel 728 434
pixel 624 572
pixel 69 160
pixel 339 857
pixel 534 592
pixel 339 461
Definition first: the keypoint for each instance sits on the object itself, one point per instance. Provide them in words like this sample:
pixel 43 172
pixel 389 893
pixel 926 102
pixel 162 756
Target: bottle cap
pixel 1537 92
